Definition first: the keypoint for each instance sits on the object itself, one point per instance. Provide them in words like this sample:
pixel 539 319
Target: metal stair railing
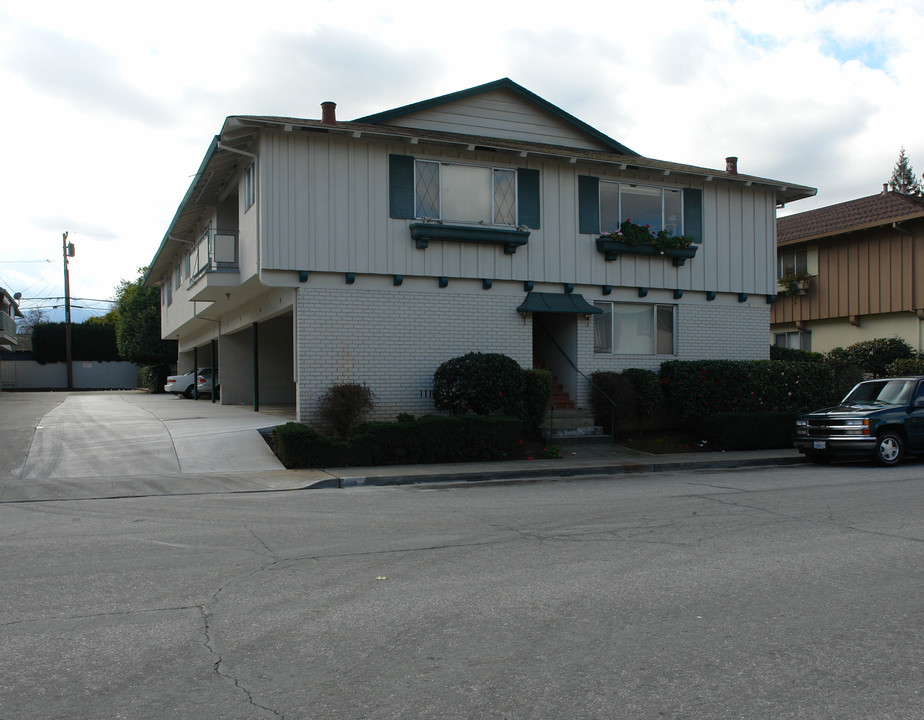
pixel 587 378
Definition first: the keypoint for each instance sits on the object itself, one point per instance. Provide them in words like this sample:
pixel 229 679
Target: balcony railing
pixel 7 325
pixel 216 251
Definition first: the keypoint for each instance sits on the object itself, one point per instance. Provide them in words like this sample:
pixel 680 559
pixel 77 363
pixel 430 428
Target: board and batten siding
pixel 873 272
pixel 326 209
pixel 500 114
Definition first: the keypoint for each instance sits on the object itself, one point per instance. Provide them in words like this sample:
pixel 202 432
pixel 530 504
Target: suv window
pixel 890 392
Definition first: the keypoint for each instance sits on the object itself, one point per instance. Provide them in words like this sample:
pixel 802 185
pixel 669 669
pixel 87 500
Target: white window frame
pixel 796 258
pixel 802 339
pixel 492 169
pixel 611 343
pixel 621 212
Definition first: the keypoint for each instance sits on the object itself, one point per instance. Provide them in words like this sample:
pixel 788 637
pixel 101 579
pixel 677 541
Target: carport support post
pixel 256 371
pixel 195 373
pixel 214 369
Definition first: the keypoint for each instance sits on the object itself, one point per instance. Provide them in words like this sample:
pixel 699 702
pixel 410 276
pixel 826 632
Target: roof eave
pixel 213 147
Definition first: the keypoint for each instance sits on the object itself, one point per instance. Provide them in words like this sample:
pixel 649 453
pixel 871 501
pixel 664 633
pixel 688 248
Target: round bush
pixel 483 383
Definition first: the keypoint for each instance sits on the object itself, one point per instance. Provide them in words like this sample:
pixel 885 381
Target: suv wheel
pixel 890 447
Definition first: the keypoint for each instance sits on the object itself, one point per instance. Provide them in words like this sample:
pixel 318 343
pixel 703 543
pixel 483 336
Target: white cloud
pixel 109 107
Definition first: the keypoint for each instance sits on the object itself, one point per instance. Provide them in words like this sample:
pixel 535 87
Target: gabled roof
pixel 239 134
pixel 868 212
pixel 502 84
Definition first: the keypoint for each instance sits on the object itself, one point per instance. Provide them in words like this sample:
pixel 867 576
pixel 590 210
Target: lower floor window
pixel 798 340
pixel 634 329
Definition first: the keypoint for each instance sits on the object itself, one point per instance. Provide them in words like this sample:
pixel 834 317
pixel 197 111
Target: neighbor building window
pixel 656 207
pixel 465 193
pixel 793 262
pixel 798 340
pixel 249 188
pixel 634 329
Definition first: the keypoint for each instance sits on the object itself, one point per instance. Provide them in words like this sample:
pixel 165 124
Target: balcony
pixel 7 332
pixel 213 265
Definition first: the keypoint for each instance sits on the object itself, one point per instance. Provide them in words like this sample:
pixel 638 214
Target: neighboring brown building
pixel 850 272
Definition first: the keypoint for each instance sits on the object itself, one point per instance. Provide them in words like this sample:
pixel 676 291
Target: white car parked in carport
pixel 183 384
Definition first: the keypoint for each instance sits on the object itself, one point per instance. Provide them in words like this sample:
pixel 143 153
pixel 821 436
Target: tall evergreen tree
pixel 137 324
pixel 903 179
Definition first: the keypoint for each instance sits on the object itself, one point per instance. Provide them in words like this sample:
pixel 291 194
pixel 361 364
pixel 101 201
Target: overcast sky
pixel 109 107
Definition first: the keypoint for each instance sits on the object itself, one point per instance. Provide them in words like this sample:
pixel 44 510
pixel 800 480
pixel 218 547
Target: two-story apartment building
pixel 308 253
pixel 9 311
pixel 863 264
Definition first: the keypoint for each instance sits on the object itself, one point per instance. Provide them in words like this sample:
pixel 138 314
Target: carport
pixel 257 364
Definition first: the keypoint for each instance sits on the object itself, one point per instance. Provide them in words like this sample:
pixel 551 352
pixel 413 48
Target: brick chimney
pixel 329 112
pixel 731 165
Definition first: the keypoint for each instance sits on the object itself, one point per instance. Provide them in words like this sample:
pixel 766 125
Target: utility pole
pixel 68 252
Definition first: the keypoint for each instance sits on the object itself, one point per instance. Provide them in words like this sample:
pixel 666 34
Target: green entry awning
pixel 557 303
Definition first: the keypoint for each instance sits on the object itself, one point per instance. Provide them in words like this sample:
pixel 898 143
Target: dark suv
pixel 879 419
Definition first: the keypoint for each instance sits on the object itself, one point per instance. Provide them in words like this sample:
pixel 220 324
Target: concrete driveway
pixel 104 444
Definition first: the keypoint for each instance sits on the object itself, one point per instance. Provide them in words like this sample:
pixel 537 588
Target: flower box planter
pixel 509 238
pixel 611 249
pixel 797 287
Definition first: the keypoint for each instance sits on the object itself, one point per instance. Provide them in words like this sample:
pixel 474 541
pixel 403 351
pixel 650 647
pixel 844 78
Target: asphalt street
pixel 780 592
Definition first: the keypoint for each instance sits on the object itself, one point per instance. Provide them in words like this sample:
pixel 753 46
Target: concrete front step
pixel 572 425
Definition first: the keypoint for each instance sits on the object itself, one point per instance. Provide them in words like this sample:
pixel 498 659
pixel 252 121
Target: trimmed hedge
pixel 537 394
pixel 429 439
pixel 778 352
pixel 705 387
pixel 89 341
pixel 748 431
pixel 619 388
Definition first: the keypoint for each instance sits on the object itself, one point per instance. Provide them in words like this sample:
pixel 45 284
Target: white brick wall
pixel 394 339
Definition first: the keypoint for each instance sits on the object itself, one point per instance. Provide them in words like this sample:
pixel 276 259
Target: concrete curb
pixel 536 473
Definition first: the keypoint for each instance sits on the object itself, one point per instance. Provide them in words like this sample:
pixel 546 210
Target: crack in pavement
pixel 830 523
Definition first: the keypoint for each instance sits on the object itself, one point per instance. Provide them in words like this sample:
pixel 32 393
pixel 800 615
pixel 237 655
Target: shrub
pixel 428 439
pixel 906 366
pixel 647 391
pixel 537 393
pixel 342 406
pixel 778 352
pixel 748 431
pixel 613 400
pixel 153 377
pixel 485 383
pixel 705 387
pixel 298 445
pixel 871 356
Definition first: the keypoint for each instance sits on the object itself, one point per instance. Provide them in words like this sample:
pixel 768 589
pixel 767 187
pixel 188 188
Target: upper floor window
pixel 249 188
pixel 655 207
pixel 465 193
pixel 792 262
pixel 176 277
pixel 603 205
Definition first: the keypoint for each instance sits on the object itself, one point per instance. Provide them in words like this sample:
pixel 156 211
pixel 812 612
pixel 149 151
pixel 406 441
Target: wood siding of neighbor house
pixel 871 272
pixel 499 114
pixel 325 208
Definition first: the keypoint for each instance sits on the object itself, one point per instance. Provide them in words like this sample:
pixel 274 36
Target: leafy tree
pixel 137 324
pixel 903 179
